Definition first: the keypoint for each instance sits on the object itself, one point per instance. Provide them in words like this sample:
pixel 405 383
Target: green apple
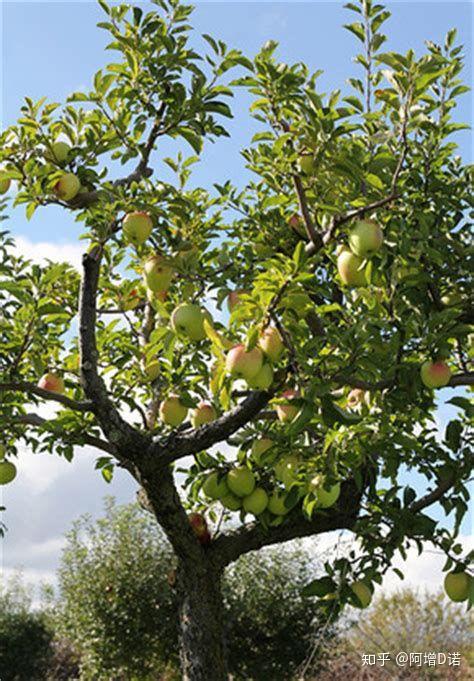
pixel 271 343
pixel 326 496
pixel 259 447
pixel 172 412
pixel 51 382
pixel 435 374
pixel 242 363
pixel 241 481
pixel 452 299
pixel 232 502
pixel 366 238
pixel 287 412
pixel 276 503
pixel 188 320
pixel 204 413
pixel 4 184
pixel 67 187
pixel 137 227
pixel 262 380
pixel 152 370
pixel 58 153
pixel 157 273
pixel 7 472
pixel 256 502
pixel 348 266
pixel 286 470
pixel 215 486
pixel 458 585
pixel 306 164
pixel 363 595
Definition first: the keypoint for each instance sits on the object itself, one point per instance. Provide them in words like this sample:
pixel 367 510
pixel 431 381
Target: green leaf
pixel 319 587
pixel 357 29
pixel 463 403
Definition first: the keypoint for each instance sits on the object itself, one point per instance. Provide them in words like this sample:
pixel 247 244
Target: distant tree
pixel 25 635
pixel 113 568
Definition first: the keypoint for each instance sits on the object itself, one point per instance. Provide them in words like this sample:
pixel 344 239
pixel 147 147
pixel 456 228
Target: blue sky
pixel 53 49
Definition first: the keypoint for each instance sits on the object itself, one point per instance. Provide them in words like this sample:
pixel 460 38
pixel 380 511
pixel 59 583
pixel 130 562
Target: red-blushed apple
pixel 276 503
pixel 215 486
pixel 241 481
pixel 172 412
pixel 365 238
pixel 286 411
pixel 297 225
pixel 234 298
pixel 188 320
pixel 4 184
pixel 435 374
pixel 259 447
pixel 157 273
pixel 348 266
pixel 355 397
pixel 458 586
pixel 204 413
pixel 67 187
pixel 58 152
pixel 7 472
pixel 362 594
pixel 262 380
pixel 271 343
pixel 256 502
pixel 137 227
pixel 199 527
pixel 51 382
pixel 242 363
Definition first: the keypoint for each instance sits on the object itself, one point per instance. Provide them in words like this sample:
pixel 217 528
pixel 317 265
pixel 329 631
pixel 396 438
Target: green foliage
pixel 25 635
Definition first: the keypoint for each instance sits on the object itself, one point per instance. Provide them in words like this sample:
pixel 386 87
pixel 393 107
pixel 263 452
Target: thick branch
pixel 180 444
pixel 38 421
pixel 353 382
pixel 431 497
pixel 33 389
pixel 227 548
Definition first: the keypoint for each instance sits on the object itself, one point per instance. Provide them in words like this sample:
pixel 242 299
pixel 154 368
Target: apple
pixel 276 503
pixel 156 297
pixel 157 273
pixel 451 299
pixel 259 447
pixel 7 472
pixel 215 486
pixel 4 184
pixel 233 299
pixel 286 470
pixel 231 501
pixel 271 343
pixel 199 526
pixel 326 496
pixel 152 369
pixel 297 224
pixel 172 412
pixel 58 152
pixel 458 586
pixel 243 363
pixel 51 382
pixel 262 380
pixel 130 301
pixel 241 481
pixel 366 238
pixel 137 227
pixel 256 502
pixel 204 413
pixel 3 451
pixel 363 595
pixel 67 187
pixel 188 320
pixel 348 266
pixel 306 164
pixel 287 412
pixel 435 374
pixel 355 397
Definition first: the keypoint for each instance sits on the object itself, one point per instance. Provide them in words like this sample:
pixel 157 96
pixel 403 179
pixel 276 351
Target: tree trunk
pixel 201 620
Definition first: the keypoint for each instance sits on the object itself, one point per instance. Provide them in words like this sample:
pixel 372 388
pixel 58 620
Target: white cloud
pixel 45 250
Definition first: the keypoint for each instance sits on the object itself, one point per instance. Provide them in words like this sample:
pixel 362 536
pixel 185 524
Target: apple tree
pixel 345 266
